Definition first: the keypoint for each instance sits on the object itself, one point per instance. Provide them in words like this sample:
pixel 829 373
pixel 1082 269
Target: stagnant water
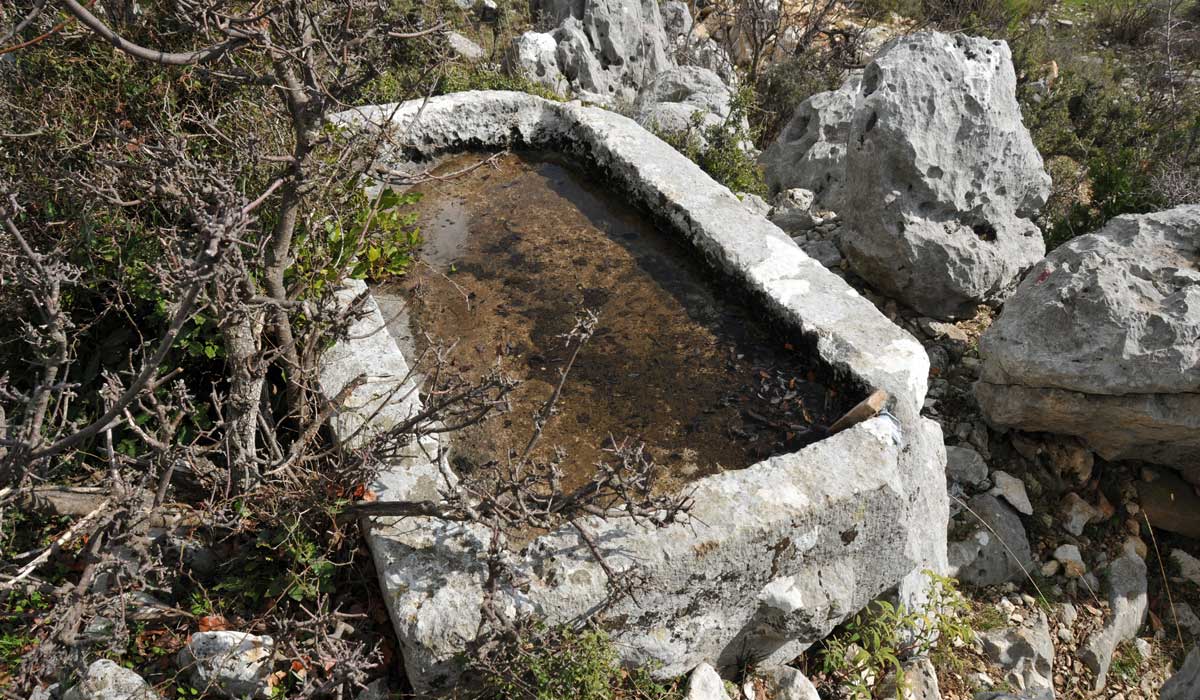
pixel 515 250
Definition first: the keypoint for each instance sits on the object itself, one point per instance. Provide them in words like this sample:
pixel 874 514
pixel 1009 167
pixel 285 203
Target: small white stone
pixel 1072 561
pixel 105 680
pixel 1012 489
pixel 1067 614
pixel 233 663
pixel 1189 566
pixel 706 684
pixel 1077 514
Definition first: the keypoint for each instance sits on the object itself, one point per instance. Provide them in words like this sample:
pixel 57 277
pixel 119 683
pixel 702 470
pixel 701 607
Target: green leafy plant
pixel 722 150
pixel 460 78
pixel 541 663
pixel 377 242
pixel 878 640
pixel 284 561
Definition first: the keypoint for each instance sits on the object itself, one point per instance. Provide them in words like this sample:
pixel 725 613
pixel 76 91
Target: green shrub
pixel 784 85
pixel 721 149
pixel 460 78
pixel 990 17
pixel 378 241
pixel 540 663
pixel 878 640
pixel 1120 183
pixel 1129 21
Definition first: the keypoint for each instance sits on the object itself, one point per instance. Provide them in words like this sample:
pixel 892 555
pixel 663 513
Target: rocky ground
pixel 1079 562
pixel 1070 515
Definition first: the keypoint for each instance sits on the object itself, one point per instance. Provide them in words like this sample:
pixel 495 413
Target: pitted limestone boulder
pixel 810 152
pixel 942 177
pixel 607 49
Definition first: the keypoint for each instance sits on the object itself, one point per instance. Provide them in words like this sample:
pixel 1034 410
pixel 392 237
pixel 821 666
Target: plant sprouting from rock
pixel 881 638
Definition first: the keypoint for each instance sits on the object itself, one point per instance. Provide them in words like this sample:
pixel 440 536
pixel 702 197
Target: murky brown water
pixel 514 252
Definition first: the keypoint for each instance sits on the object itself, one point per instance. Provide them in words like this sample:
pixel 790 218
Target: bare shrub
pixel 1177 183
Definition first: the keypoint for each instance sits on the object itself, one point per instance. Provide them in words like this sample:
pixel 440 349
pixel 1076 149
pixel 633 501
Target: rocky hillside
pixel 221 478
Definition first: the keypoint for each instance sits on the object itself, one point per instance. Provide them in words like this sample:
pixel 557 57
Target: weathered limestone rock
pixel 942 177
pixel 1102 341
pixel 1189 566
pixel 920 682
pixel 1026 653
pixel 106 680
pixel 792 211
pixel 707 53
pixel 669 103
pixel 607 49
pixel 965 466
pixel 984 558
pixel 1185 684
pixel 534 55
pixel 233 664
pixel 677 20
pixel 464 47
pixel 706 684
pixel 810 152
pixel 1127 599
pixel 778 553
pixel 788 683
pixel 1071 559
pixel 1077 514
pixel 1012 489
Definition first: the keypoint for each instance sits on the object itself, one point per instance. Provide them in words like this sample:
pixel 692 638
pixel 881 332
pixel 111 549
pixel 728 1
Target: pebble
pixel 1134 546
pixel 1050 568
pixel 1072 561
pixel 1012 489
pixel 1067 614
pixel 1189 566
pixel 1077 514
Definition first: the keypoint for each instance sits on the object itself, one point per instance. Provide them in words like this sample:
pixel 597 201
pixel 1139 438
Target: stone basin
pixel 775 554
pixel 513 252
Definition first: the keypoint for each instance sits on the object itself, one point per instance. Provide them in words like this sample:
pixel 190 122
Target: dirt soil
pixel 515 250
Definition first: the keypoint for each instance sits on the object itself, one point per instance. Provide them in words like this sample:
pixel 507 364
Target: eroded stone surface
pixel 1185 684
pixel 1102 341
pixel 1026 653
pixel 997 550
pixel 1127 600
pixel 607 50
pixel 810 152
pixel 942 177
pixel 106 680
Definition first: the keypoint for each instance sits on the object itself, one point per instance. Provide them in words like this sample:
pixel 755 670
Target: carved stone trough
pixel 776 554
